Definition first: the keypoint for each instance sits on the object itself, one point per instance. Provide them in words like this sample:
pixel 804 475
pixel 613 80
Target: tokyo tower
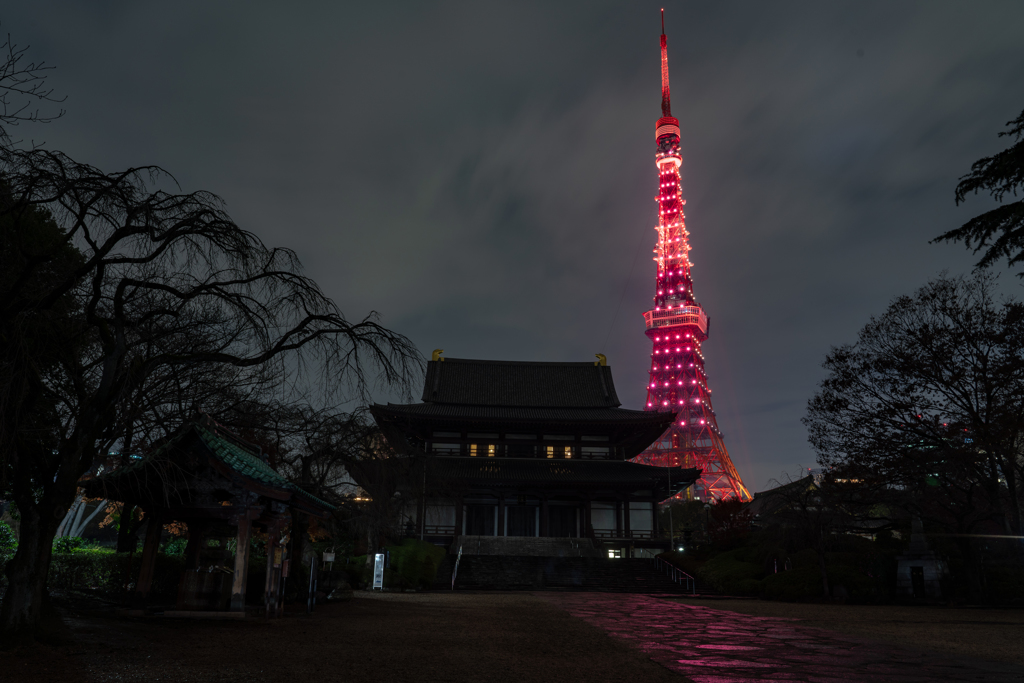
pixel 677 326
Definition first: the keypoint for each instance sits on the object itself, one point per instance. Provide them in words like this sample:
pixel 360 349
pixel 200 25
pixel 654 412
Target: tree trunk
pixel 972 568
pixel 372 543
pixel 22 609
pixel 826 593
pixel 126 528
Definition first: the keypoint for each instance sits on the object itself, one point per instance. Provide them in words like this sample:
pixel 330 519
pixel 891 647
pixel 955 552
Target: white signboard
pixel 378 571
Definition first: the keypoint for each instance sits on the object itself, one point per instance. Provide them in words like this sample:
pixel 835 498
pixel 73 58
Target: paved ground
pixel 500 637
pixel 972 632
pixel 717 646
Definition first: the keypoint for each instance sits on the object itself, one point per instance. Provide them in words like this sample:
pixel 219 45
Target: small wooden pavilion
pixel 222 488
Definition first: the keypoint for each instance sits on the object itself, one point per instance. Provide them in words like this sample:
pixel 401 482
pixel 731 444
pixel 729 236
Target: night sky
pixel 482 174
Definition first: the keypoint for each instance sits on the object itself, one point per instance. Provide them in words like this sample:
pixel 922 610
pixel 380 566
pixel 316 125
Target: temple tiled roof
pixel 224 447
pixel 522 384
pixel 249 464
pixel 527 414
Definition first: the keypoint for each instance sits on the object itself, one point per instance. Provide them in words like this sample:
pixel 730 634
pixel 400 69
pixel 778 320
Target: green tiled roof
pixel 246 463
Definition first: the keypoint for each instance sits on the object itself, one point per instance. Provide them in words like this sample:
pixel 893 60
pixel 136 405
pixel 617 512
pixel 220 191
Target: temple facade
pixel 519 450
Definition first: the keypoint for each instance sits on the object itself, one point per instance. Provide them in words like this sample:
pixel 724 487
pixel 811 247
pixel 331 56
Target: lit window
pixel 551 451
pixel 472 449
pixel 491 448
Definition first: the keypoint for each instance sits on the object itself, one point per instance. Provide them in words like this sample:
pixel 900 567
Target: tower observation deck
pixel 677 326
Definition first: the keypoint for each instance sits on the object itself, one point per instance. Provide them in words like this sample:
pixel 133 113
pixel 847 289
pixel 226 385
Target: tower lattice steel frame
pixel 677 326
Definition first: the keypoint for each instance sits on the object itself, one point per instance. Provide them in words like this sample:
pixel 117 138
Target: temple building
pixel 529 449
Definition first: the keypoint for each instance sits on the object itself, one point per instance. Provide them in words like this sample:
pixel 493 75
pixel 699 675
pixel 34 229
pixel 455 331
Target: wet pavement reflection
pixel 716 646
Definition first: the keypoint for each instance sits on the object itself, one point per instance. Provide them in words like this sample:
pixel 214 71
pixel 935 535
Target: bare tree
pixel 930 400
pixel 22 89
pixel 146 289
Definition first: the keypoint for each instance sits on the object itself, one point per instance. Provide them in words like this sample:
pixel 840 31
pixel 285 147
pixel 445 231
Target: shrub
pixel 175 546
pixel 104 570
pixel 67 544
pixel 859 586
pixel 730 573
pixel 1005 584
pixel 415 563
pixel 800 583
pixel 804 583
pixel 8 543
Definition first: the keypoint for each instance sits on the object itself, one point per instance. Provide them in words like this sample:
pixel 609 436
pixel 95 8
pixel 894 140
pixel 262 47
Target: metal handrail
pixel 677 575
pixel 684 315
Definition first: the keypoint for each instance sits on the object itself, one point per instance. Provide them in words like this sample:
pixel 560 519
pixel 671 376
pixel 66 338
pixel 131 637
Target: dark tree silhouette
pixel 149 290
pixel 23 88
pixel 999 232
pixel 929 401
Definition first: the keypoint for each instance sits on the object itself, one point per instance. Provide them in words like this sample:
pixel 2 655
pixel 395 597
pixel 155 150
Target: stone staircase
pixel 599 574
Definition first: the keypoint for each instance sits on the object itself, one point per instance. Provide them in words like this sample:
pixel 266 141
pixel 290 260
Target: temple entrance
pixel 562 521
pixel 521 520
pixel 480 519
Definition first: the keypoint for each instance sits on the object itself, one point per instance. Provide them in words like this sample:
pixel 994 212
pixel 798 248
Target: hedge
pixel 413 565
pixel 104 570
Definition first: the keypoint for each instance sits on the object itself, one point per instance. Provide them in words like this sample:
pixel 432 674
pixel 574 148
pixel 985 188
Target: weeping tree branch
pixel 145 293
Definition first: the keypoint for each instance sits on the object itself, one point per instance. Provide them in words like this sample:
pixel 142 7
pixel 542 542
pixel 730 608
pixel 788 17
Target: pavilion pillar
pixel 187 586
pixel 501 514
pixel 149 551
pixel 275 557
pixel 545 526
pixel 241 562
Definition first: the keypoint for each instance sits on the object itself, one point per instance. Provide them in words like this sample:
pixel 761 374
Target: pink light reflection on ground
pixel 746 648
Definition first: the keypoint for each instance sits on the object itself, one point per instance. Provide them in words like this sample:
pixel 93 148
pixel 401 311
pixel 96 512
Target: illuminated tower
pixel 677 326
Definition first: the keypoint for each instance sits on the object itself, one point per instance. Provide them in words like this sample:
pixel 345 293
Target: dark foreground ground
pixel 550 636
pixel 387 637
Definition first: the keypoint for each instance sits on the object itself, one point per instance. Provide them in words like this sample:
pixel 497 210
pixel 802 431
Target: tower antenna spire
pixel 666 100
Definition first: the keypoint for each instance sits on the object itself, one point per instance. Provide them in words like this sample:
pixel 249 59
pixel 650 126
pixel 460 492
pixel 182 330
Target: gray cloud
pixel 482 173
